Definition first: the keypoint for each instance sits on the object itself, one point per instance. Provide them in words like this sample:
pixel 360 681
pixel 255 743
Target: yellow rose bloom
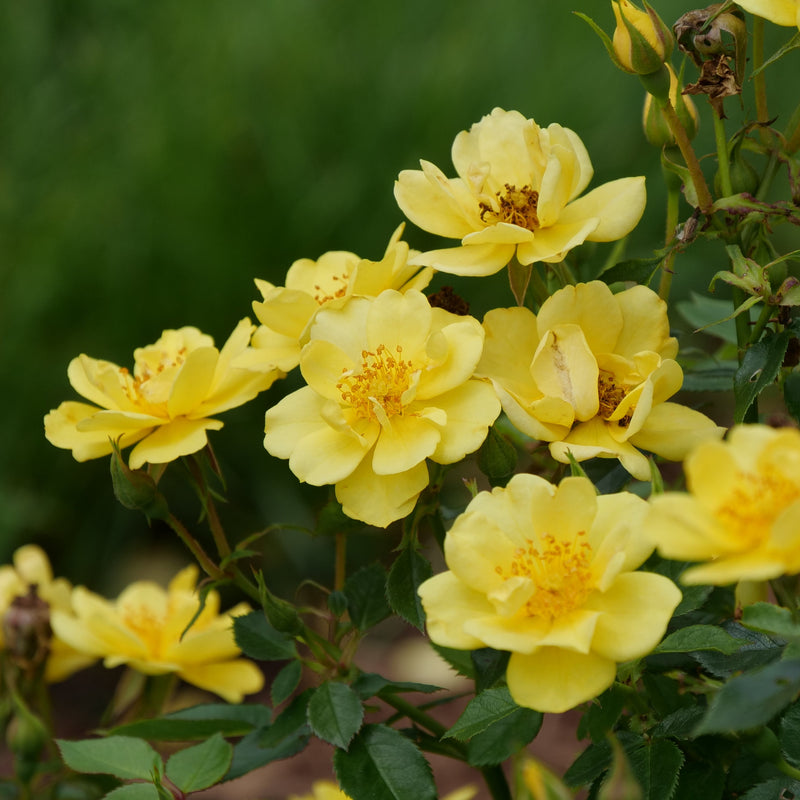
pixel 547 573
pixel 591 374
pixel 166 405
pixel 31 567
pixel 328 790
pixel 144 629
pixel 389 384
pixel 741 513
pixel 286 312
pixel 517 192
pixel 781 12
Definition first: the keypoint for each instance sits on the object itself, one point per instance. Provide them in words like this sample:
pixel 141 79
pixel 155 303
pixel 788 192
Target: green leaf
pixel 657 767
pixel 771 619
pixel 773 789
pixel 251 713
pixel 409 570
pixel 503 738
pixel 602 715
pixel 701 311
pixel 369 684
pixel 483 710
pixel 698 637
pixel 791 394
pixel 459 660
pixel 122 756
pixel 196 768
pixel 757 650
pixel 335 713
pixel 381 764
pixel 286 682
pixel 713 377
pixel 590 764
pixel 760 367
pixel 638 270
pixel 792 44
pixel 790 734
pixel 366 596
pixel 258 639
pixel 133 791
pixel 753 699
pixel 490 666
pixel 680 723
pixel 701 780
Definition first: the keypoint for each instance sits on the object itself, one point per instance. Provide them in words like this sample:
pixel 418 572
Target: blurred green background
pixel 156 157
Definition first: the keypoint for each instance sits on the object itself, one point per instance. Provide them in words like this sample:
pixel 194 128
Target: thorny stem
pixel 673 205
pixel 693 165
pixel 723 157
pixel 761 322
pixel 195 548
pixel 759 81
pixel 792 132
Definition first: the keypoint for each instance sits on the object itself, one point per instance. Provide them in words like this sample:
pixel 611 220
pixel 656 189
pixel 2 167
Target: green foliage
pixel 122 756
pixel 335 714
pixel 366 596
pixel 408 571
pixel 258 639
pixel 196 768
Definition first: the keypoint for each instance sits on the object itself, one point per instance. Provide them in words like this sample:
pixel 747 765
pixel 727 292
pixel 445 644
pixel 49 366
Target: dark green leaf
pixel 638 270
pixel 791 394
pixel 589 765
pixel 771 619
pixel 760 367
pixel 252 713
pixel 368 684
pixel 459 660
pixel 483 710
pixel 712 378
pixel 790 734
pixel 409 570
pixel 702 310
pixel 504 738
pixel 286 682
pixel 122 756
pixel 699 780
pixel 602 714
pixel 258 639
pixel 753 699
pixel 698 637
pixel 335 713
pixel 757 650
pixel 182 730
pixel 490 666
pixel 680 723
pixel 196 768
pixel 381 764
pixel 133 791
pixel 366 596
pixel 774 789
pixel 657 767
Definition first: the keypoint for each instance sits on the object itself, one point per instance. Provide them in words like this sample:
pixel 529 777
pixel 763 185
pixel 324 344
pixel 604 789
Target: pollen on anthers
pixel 379 387
pixel 515 206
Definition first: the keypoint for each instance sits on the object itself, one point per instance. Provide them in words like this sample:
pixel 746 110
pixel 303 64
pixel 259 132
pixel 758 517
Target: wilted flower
pixel 547 573
pixel 781 12
pixel 741 513
pixel 591 373
pixel 517 193
pixel 31 568
pixel 147 628
pixel 287 311
pixel 168 403
pixel 389 385
pixel 642 43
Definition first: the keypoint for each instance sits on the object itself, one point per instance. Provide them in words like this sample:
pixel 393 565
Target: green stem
pixel 195 548
pixel 792 132
pixel 761 323
pixel 788 769
pixel 723 157
pixel 673 206
pixel 693 165
pixel 340 570
pixel 214 522
pixel 538 287
pixel 759 81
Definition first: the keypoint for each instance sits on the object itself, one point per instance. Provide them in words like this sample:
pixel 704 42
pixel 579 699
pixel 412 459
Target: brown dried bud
pixel 447 299
pixel 26 628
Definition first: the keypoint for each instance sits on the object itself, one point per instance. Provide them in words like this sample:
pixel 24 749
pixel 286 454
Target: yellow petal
pixel 781 12
pixel 231 680
pixel 635 612
pixel 754 565
pixel 32 565
pixel 617 206
pixel 99 381
pixel 553 243
pixel 193 381
pixel 499 233
pixel 327 455
pixel 645 325
pixel 477 260
pixel 555 680
pixel 463 344
pixel 181 437
pixel 296 416
pixel 672 430
pixel 403 443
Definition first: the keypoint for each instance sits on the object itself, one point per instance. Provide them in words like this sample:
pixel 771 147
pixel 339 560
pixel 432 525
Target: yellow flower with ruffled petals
pixel 165 406
pixel 31 568
pixel 517 192
pixel 145 628
pixel 389 385
pixel 328 790
pixel 741 513
pixel 547 573
pixel 591 374
pixel 781 12
pixel 286 312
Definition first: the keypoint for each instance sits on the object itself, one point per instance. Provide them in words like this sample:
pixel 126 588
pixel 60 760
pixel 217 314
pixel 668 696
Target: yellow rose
pixel 166 405
pixel 328 790
pixel 591 373
pixel 547 573
pixel 741 513
pixel 31 567
pixel 287 311
pixel 781 12
pixel 389 385
pixel 145 628
pixel 517 193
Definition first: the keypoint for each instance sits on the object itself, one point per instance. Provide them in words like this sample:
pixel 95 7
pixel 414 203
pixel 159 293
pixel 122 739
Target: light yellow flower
pixel 328 790
pixel 591 373
pixel 781 12
pixel 389 385
pixel 287 311
pixel 741 514
pixel 166 405
pixel 31 567
pixel 517 192
pixel 144 629
pixel 547 573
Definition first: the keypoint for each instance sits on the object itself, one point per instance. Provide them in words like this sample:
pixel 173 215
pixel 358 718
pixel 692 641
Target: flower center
pixel 560 573
pixel 146 624
pixel 141 388
pixel 610 396
pixel 377 391
pixel 515 206
pixel 338 288
pixel 755 502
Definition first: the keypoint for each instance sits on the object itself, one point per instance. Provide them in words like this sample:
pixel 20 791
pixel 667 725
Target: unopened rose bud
pixel 135 489
pixel 26 629
pixel 656 128
pixel 642 42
